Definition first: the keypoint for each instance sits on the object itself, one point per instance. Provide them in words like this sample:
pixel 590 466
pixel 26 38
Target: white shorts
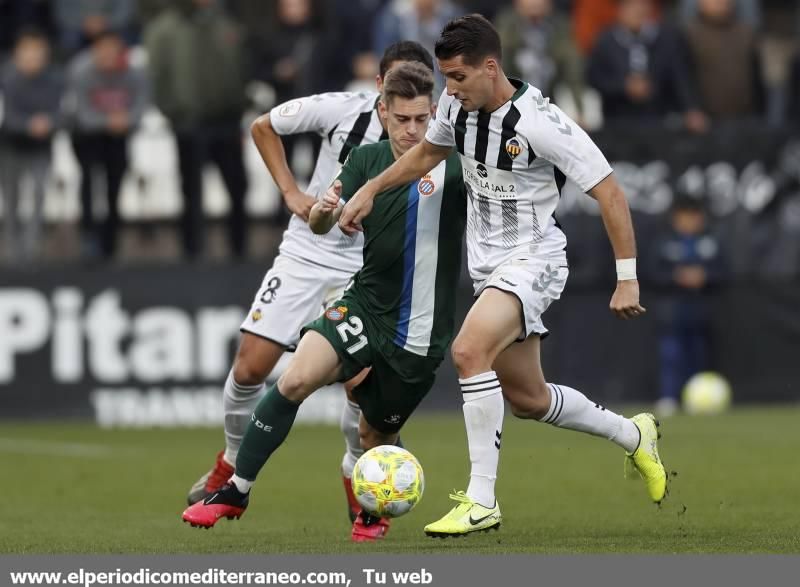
pixel 535 282
pixel 293 293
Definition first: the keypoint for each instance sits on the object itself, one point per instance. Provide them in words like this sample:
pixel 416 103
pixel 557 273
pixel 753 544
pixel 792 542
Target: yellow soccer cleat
pixel 645 459
pixel 467 517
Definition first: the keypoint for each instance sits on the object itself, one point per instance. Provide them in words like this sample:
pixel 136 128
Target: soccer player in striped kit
pixel 516 151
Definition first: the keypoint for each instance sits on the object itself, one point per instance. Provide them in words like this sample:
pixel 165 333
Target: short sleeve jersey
pixel 515 161
pixel 343 120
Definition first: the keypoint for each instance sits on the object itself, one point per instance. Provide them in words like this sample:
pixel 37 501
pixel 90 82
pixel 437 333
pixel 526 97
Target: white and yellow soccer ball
pixel 388 481
pixel 706 393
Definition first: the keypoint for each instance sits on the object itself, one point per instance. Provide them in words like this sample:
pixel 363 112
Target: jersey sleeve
pixel 318 114
pixel 352 174
pixel 440 131
pixel 559 139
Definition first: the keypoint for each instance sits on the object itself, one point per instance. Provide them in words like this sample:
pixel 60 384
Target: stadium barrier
pixel 152 345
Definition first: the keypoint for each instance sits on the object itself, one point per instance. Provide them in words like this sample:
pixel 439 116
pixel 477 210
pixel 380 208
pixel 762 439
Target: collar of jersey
pixel 521 86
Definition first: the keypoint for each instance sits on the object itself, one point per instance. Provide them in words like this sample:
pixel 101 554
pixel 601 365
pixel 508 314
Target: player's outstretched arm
pixel 326 211
pixel 269 145
pixel 619 227
pixel 415 163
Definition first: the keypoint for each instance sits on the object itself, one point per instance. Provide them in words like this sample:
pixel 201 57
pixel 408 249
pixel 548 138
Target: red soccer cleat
pixel 228 503
pixel 369 528
pixel 212 481
pixel 353 507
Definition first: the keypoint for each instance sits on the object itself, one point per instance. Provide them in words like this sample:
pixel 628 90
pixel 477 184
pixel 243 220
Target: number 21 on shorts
pixel 351 328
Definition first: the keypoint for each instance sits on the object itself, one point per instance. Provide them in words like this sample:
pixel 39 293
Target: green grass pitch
pixel 73 488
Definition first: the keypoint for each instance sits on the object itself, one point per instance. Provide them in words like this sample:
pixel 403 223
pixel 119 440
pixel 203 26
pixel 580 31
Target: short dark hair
pixel 31 33
pixel 408 80
pixel 405 51
pixel 471 36
pixel 686 203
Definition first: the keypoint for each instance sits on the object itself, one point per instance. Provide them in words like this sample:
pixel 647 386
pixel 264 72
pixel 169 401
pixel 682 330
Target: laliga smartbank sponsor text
pixel 156 365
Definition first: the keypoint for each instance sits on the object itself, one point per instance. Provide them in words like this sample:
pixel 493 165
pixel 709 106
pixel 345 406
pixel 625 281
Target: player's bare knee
pixel 246 372
pixel 468 359
pixel 295 384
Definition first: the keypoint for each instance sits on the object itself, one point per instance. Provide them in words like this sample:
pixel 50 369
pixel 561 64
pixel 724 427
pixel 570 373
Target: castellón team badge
pixel 513 147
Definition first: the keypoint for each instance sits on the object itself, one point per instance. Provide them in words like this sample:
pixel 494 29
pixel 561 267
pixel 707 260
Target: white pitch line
pixel 57 449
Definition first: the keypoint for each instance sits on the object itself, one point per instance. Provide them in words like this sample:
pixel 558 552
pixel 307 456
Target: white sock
pixel 243 485
pixel 351 413
pixel 238 404
pixel 483 416
pixel 570 409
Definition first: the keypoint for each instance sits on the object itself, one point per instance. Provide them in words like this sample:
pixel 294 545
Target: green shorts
pixel 398 379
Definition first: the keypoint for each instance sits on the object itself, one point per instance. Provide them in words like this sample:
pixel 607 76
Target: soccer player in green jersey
pixel 397 318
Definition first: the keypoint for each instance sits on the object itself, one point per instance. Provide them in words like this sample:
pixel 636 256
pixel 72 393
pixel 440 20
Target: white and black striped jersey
pixel 515 160
pixel 344 120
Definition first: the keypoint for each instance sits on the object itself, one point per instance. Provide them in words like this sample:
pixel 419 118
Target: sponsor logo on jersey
pixel 336 314
pixel 490 183
pixel 256 316
pixel 426 186
pixel 393 419
pixel 513 147
pixel 290 108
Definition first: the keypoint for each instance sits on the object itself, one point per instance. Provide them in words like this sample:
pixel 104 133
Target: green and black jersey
pixel 412 250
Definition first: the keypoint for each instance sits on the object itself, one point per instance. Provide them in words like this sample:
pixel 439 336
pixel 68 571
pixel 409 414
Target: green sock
pixel 270 424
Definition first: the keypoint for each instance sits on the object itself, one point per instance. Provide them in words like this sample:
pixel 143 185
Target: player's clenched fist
pixel 625 301
pixel 356 209
pixel 330 199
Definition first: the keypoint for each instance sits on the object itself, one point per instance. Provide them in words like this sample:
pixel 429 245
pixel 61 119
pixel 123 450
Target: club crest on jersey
pixel 290 108
pixel 426 186
pixel 513 147
pixel 336 314
pixel 256 316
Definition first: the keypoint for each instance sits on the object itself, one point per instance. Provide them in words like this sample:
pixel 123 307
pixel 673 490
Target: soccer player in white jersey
pixel 516 149
pixel 310 270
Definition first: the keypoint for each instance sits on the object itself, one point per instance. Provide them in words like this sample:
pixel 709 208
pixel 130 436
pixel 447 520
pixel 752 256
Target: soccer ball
pixel 706 393
pixel 388 481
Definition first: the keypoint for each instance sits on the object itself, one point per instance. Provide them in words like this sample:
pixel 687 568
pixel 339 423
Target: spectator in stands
pixel 109 98
pixel 32 90
pixel 80 22
pixel 287 58
pixel 16 16
pixel 538 48
pixel 747 11
pixel 639 67
pixel 686 264
pixel 488 8
pixel 413 20
pixel 197 64
pixel 590 18
pixel 285 41
pixel 725 61
pixel 350 57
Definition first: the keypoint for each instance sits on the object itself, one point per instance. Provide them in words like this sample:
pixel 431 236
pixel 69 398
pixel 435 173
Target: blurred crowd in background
pixel 104 96
pixel 124 128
